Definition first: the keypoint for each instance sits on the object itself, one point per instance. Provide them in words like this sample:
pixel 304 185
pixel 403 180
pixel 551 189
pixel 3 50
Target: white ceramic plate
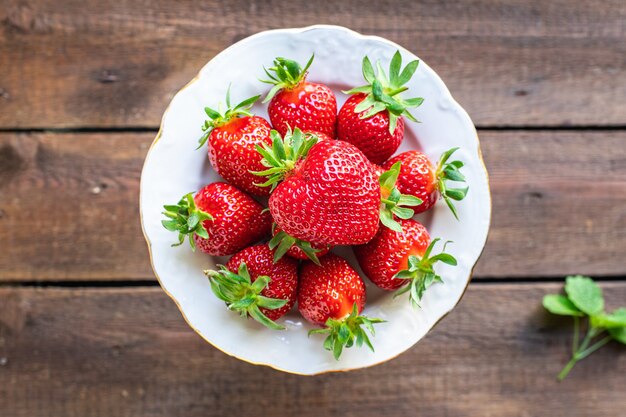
pixel 173 167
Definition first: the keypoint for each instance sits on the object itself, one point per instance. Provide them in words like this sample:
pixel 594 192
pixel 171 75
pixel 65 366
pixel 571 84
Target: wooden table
pixel 86 331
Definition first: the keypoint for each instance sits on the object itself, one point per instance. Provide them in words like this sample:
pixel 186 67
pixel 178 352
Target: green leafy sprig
pixel 282 157
pixel 281 242
pixel 584 299
pixel 392 202
pixel 244 296
pixel 421 272
pixel 383 91
pixel 186 219
pixel 220 116
pixel 450 171
pixel 287 74
pixel 347 332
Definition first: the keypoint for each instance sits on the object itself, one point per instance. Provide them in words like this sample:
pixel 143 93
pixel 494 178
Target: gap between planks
pixel 153 129
pixel 90 284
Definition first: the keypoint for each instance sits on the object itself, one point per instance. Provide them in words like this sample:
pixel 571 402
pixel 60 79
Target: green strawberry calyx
pixel 220 116
pixel 449 171
pixel 383 91
pixel 281 158
pixel 244 296
pixel 287 74
pixel 282 242
pixel 347 332
pixel 421 273
pixel 186 219
pixel 392 202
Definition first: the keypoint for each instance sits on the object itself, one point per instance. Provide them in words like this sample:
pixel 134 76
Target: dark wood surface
pixel 79 63
pixel 559 203
pixel 126 352
pixel 85 330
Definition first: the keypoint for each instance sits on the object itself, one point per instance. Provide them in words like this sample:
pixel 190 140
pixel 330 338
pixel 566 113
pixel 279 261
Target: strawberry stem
pixel 282 242
pixel 382 90
pixel 287 74
pixel 450 171
pixel 282 157
pixel 346 332
pixel 392 203
pixel 186 219
pixel 219 118
pixel 421 273
pixel 244 296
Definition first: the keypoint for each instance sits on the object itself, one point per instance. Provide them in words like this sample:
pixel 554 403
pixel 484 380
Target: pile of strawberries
pixel 330 181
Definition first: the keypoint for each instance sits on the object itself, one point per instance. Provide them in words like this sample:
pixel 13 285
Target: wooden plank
pixel 127 352
pixel 68 205
pixel 559 203
pixel 88 63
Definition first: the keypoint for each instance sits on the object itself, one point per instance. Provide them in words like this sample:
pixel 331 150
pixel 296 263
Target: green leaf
pixel 202 232
pixel 453 174
pixel 368 70
pixel 242 295
pixel 407 73
pixel 585 294
pixel 616 319
pixel 409 200
pixel 388 178
pixel 259 284
pixel 270 303
pixel 456 194
pixel 446 258
pixel 386 218
pixel 171 225
pixel 394 68
pixel 365 104
pixel 285 244
pixel 561 305
pixel 413 102
pixel 212 113
pixel 619 334
pixel 256 314
pixel 403 212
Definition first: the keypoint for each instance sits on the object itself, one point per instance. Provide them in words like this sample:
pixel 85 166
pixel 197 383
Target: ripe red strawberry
pixel 219 219
pixel 283 244
pixel 403 259
pixel 332 295
pixel 256 286
pixel 418 177
pixel 328 198
pixel 295 102
pixel 233 136
pixel 372 118
pixel 329 190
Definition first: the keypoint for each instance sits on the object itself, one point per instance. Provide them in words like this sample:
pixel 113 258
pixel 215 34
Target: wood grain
pixel 69 205
pixel 127 352
pixel 83 63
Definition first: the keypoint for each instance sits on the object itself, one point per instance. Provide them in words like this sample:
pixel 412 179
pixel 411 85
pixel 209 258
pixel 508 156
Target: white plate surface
pixel 173 167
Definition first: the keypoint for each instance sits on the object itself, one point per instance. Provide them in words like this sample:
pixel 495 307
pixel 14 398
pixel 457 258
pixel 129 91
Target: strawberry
pixel 402 259
pixel 296 248
pixel 232 137
pixel 418 177
pixel 328 194
pixel 332 295
pixel 254 285
pixel 219 219
pixel 372 118
pixel 295 102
